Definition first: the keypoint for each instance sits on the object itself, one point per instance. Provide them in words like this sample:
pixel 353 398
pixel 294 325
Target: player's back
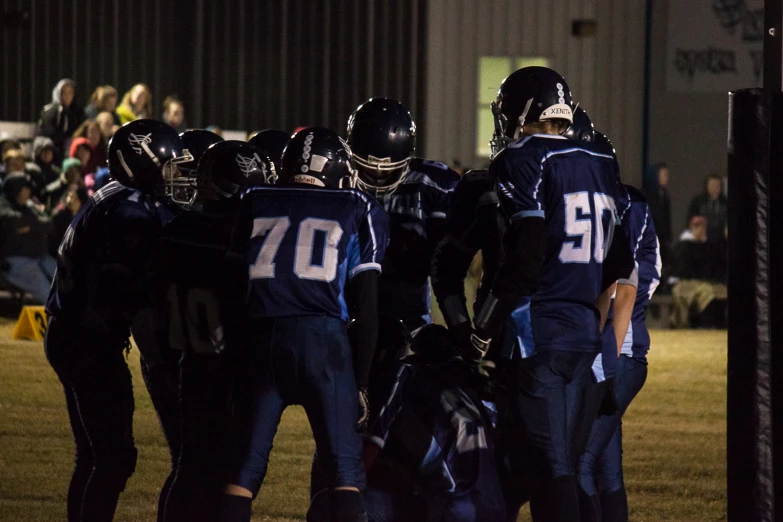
pixel 303 245
pixel 105 251
pixel 574 190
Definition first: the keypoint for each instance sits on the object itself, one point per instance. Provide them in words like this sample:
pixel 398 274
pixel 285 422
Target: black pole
pixel 755 376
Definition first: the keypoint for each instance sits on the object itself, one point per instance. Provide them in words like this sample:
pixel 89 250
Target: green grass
pixel 674 438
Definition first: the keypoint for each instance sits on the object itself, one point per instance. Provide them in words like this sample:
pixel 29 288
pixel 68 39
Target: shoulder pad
pixel 437 171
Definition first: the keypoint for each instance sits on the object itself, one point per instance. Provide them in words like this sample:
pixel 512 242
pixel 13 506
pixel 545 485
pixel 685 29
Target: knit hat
pixel 69 163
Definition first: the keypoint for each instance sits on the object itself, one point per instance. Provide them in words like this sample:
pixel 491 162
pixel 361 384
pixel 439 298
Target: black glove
pixel 609 404
pixel 364 410
pixel 460 334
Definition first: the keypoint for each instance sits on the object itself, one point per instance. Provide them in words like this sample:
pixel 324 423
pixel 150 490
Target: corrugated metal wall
pixel 605 71
pixel 239 64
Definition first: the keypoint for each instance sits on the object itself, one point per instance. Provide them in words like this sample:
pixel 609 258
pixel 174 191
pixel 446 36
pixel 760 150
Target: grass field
pixel 674 439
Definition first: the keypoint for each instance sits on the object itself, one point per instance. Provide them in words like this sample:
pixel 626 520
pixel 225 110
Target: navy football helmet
pixel 182 189
pixel 226 168
pixel 272 141
pixel 145 153
pixel 382 138
pixel 603 144
pixel 319 157
pixel 528 95
pixel 582 130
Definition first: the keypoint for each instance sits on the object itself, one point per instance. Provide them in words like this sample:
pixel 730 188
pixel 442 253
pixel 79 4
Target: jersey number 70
pixel 273 231
pixel 580 222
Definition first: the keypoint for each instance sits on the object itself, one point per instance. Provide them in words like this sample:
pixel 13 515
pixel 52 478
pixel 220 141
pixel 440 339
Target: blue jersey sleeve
pixel 518 184
pixel 372 240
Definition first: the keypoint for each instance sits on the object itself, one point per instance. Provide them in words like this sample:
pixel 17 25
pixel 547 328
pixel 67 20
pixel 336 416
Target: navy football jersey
pixel 437 439
pixel 417 212
pixel 104 259
pixel 304 244
pixel 574 190
pixel 647 254
pixel 474 224
pixel 204 285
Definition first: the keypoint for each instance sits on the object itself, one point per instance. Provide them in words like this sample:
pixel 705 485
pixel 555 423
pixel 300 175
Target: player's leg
pixel 609 476
pixel 329 395
pixel 95 371
pixel 260 372
pixel 542 409
pixel 202 467
pixel 159 368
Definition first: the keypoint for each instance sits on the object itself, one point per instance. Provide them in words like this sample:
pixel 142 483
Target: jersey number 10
pixel 580 222
pixel 273 231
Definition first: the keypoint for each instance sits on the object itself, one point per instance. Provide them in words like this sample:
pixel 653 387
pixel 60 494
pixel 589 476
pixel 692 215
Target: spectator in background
pixel 70 178
pixel 136 104
pixel 25 230
pixel 83 150
pixel 656 190
pixel 106 124
pixel 174 113
pixel 63 214
pixel 13 162
pixel 44 170
pixel 103 99
pixel 713 205
pixel 92 131
pixel 62 117
pixel 698 278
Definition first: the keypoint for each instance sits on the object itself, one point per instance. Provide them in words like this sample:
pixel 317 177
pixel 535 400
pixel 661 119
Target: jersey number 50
pixel 273 231
pixel 580 222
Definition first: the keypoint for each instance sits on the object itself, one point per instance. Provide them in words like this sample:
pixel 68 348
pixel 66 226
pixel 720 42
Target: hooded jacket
pixel 25 229
pixel 91 165
pixel 59 122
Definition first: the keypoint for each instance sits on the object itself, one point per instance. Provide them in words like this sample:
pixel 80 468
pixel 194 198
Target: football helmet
pixel 582 129
pixel 528 95
pixel 319 157
pixel 226 168
pixel 143 154
pixel 272 141
pixel 603 144
pixel 382 138
pixel 182 190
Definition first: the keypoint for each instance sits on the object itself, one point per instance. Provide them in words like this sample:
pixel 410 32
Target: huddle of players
pixel 250 259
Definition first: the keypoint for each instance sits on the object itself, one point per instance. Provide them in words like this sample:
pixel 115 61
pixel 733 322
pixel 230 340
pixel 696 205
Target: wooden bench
pixel 659 310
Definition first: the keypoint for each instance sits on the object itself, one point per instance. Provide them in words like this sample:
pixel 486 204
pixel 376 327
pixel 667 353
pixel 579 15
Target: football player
pixel 205 286
pixel 159 363
pixel 430 454
pixel 272 142
pixel 415 193
pixel 600 467
pixel 101 283
pixel 559 200
pixel 314 252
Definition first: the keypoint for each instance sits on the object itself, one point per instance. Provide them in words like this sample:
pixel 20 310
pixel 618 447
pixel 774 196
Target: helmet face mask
pixel 382 136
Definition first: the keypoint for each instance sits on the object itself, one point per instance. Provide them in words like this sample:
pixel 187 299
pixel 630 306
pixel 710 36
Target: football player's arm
pixel 378 432
pixel 453 256
pixel 624 301
pixel 524 243
pixel 619 262
pixel 362 298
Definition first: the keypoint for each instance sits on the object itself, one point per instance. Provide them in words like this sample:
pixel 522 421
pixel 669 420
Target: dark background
pixel 238 64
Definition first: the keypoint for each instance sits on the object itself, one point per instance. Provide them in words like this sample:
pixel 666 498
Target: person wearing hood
pixel 61 117
pixel 70 178
pixel 43 171
pixel 91 130
pixel 25 230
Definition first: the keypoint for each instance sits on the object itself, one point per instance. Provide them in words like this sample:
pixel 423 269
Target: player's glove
pixel 460 335
pixel 609 404
pixel 364 410
pixel 479 346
